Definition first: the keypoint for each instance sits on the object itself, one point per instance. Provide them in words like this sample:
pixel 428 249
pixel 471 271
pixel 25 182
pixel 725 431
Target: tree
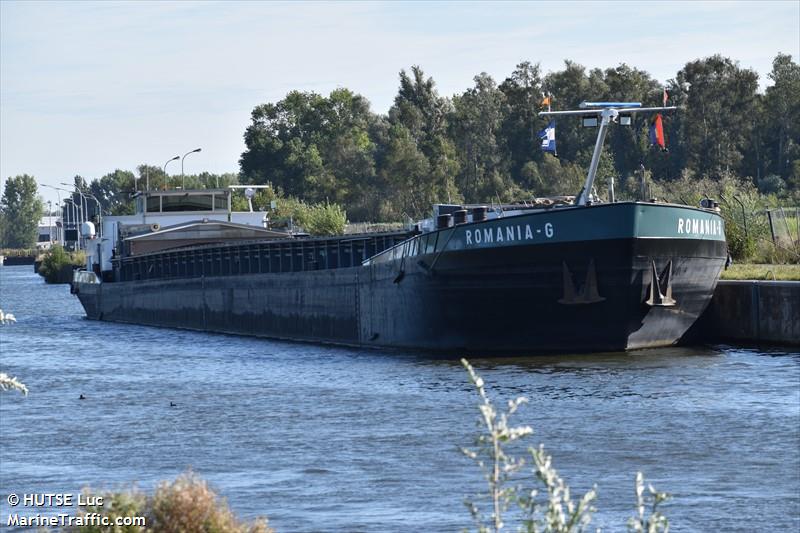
pixel 405 171
pixel 21 210
pixel 475 123
pixel 113 191
pixel 419 126
pixel 781 120
pixel 420 109
pixel 719 114
pixel 518 131
pixel 316 148
pixel 569 88
pixel 629 146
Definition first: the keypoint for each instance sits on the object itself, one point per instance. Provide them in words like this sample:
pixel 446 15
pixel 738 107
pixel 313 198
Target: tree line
pixel 482 146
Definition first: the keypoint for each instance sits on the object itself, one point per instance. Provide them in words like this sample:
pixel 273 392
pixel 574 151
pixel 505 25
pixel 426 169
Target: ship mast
pixel 603 114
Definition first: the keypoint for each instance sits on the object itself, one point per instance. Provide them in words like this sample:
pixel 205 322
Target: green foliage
pixel 762 272
pixel 505 500
pixel 780 123
pixel 20 212
pixel 56 259
pixel 113 191
pixel 289 210
pixel 116 505
pixel 315 147
pixel 326 219
pixel 3 227
pixel 742 208
pixel 476 123
pixel 718 116
pixel 319 219
pixel 522 92
pixel 186 505
pixel 19 252
pixel 481 145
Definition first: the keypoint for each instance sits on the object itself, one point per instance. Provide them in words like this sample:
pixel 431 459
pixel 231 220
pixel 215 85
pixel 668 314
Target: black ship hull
pixel 603 294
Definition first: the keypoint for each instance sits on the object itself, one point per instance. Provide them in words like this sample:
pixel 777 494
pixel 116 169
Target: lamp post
pixel 73 216
pixel 99 213
pixel 165 168
pixel 83 204
pixel 50 220
pixel 58 193
pixel 55 189
pixel 183 179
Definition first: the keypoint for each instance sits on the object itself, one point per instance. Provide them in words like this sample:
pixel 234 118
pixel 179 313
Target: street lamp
pixel 83 200
pixel 50 220
pixel 84 203
pixel 183 180
pixel 165 168
pixel 74 216
pixel 86 197
pixel 57 189
pixel 99 213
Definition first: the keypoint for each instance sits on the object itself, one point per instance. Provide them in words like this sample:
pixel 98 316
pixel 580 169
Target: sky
pixel 90 87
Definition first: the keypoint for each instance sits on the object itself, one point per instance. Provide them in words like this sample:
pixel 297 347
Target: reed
pixel 545 505
pixel 9 383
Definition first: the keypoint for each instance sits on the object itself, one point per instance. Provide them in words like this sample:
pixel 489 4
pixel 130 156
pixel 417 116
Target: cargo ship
pixel 551 275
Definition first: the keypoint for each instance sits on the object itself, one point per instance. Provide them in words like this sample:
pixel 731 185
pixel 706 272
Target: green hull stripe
pixel 615 221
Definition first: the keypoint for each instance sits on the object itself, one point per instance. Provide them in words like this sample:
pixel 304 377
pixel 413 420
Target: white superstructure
pixel 161 209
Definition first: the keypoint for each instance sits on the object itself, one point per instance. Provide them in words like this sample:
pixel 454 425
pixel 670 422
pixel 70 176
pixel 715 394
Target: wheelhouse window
pixel 220 202
pixel 199 202
pixel 153 204
pixel 171 203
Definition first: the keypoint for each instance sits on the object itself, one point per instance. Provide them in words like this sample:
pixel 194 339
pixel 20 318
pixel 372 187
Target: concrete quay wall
pixel 754 311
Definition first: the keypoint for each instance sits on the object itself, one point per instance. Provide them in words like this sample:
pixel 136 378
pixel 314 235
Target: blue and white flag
pixel 548 137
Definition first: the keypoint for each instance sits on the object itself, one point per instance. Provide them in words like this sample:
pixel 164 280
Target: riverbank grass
pixel 762 272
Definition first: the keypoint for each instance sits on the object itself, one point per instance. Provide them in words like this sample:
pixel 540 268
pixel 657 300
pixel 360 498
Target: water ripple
pixel 330 439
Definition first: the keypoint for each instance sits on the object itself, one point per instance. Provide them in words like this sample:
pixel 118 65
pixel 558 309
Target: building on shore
pixel 51 231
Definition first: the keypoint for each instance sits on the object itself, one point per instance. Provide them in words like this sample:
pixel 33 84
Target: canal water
pixel 321 438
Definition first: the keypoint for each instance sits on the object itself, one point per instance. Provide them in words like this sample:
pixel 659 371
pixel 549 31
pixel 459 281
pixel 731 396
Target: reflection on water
pixel 329 439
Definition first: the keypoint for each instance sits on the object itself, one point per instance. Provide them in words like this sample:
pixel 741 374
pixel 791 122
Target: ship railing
pixel 258 257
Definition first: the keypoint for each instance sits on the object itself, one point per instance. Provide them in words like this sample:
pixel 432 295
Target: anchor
pixel 588 293
pixel 659 298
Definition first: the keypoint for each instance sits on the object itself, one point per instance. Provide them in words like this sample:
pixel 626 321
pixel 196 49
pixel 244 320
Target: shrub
pixel 318 219
pixel 740 203
pixel 289 209
pixel 130 503
pixel 326 219
pixel 56 259
pixel 189 505
pixel 186 505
